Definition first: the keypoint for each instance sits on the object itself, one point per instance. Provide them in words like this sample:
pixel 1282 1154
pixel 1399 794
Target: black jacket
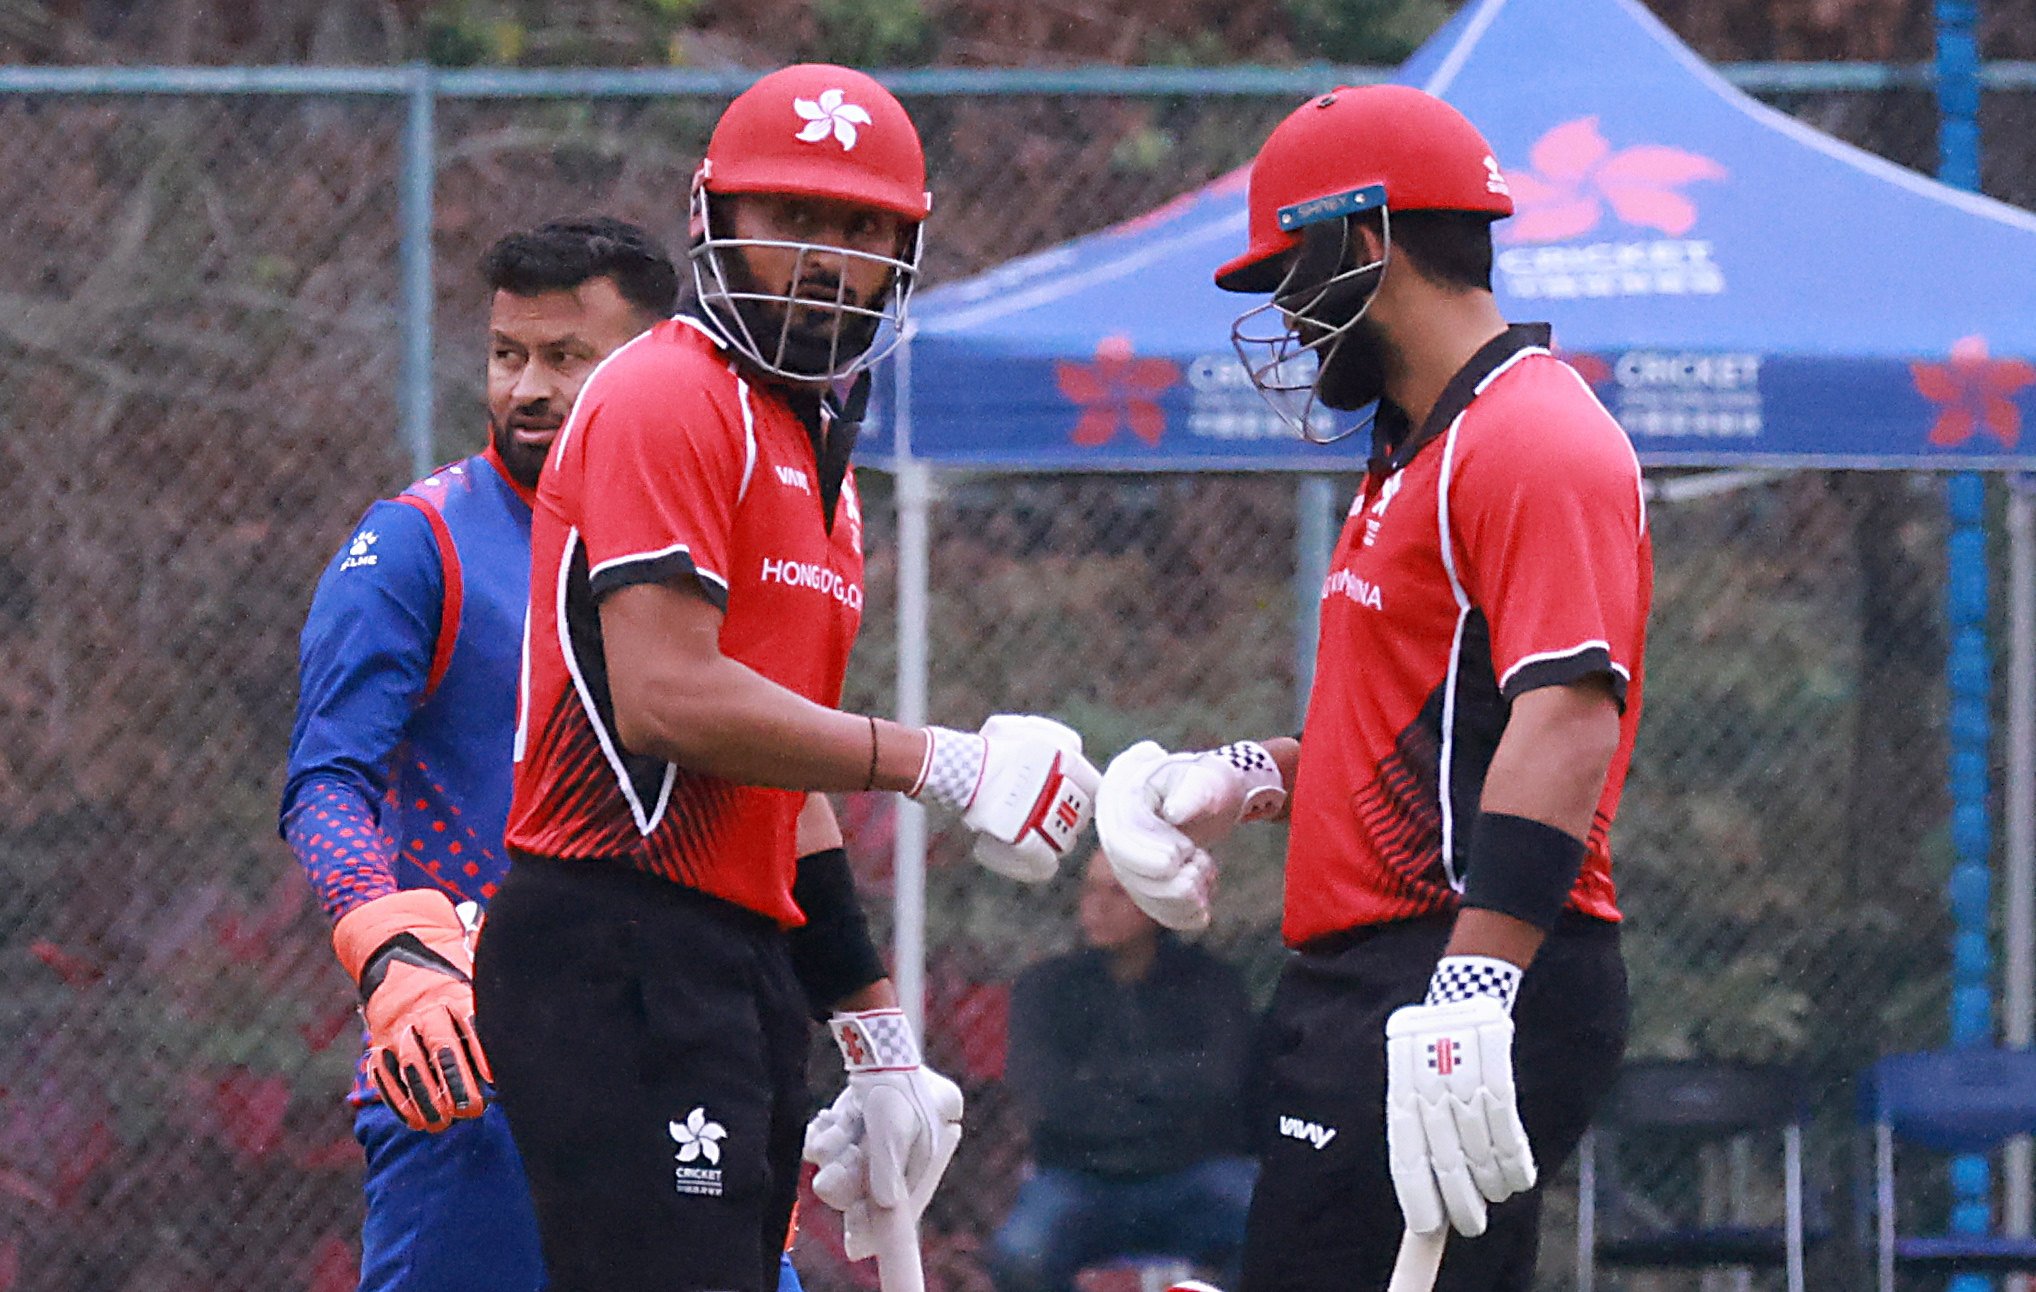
pixel 1131 1078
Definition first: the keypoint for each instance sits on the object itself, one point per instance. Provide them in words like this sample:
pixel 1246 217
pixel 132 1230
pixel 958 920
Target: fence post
pixel 913 490
pixel 1313 537
pixel 414 201
pixel 1970 659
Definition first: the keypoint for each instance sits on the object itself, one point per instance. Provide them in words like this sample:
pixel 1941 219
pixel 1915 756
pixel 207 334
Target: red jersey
pixel 673 466
pixel 1502 546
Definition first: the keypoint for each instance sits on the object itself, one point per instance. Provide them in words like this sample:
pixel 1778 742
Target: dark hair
pixel 1448 248
pixel 565 253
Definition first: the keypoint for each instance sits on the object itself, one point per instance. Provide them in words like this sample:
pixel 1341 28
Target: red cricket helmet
pixel 1428 156
pixel 816 130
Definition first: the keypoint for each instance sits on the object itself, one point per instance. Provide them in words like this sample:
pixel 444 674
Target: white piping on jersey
pixel 573 418
pixel 1447 759
pixel 523 693
pixel 645 823
pixel 632 558
pixel 1571 652
pixel 701 328
pixel 1444 784
pixel 748 438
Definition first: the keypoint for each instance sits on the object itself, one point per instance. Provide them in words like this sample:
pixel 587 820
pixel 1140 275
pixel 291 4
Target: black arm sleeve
pixel 831 952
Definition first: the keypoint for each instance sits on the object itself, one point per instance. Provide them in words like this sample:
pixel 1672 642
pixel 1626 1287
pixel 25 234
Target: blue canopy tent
pixel 1740 289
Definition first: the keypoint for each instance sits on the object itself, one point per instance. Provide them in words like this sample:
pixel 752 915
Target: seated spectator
pixel 1128 1059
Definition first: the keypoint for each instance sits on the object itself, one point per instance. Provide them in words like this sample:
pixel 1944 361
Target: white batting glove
pixel 1020 783
pixel 1157 815
pixel 1453 1132
pixel 886 1140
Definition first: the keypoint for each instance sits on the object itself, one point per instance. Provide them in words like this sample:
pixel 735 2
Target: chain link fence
pixel 201 343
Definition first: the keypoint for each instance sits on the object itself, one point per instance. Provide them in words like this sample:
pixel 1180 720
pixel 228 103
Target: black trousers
pixel 649 1046
pixel 1324 1216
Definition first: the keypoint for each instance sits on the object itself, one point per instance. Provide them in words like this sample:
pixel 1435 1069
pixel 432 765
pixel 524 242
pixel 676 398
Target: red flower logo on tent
pixel 1117 389
pixel 1974 393
pixel 1575 175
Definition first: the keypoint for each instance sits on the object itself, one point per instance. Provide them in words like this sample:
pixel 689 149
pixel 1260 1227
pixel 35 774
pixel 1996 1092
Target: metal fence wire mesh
pixel 199 337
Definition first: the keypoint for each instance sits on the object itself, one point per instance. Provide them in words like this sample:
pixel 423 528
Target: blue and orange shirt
pixel 399 773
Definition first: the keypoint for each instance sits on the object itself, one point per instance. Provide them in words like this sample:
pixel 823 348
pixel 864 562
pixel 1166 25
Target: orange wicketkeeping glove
pixel 409 953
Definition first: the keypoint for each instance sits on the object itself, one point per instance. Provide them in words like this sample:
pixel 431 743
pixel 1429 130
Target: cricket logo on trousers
pixel 698 1139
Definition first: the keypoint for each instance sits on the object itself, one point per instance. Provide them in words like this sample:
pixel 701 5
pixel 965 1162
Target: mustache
pixel 539 416
pixel 822 288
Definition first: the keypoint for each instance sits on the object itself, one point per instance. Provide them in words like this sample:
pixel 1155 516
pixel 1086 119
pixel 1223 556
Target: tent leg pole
pixel 908 925
pixel 2019 993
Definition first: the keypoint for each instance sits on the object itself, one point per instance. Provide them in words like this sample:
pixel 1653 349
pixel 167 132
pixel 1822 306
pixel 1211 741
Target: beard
pixel 522 461
pixel 1353 372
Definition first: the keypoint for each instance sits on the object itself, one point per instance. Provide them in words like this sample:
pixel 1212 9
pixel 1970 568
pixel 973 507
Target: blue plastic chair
pixel 1952 1101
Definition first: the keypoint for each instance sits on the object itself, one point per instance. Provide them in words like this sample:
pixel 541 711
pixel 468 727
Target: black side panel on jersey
pixel 1480 719
pixel 583 647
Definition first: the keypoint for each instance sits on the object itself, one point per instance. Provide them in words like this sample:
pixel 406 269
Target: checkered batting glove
pixel 1020 783
pixel 1453 1132
pixel 887 1139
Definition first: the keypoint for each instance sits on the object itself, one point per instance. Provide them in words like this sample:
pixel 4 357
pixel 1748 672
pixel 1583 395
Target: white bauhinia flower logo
pixel 831 114
pixel 697 1137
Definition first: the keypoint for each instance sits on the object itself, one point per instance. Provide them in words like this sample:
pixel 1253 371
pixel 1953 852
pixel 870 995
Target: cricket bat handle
pixel 897 1243
pixel 1415 1268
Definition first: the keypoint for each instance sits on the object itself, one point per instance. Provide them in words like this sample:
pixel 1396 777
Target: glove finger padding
pixel 1407 1152
pixel 431 1075
pixel 1511 1169
pixel 409 954
pixel 1194 797
pixel 834 1145
pixel 1166 875
pixel 1453 1124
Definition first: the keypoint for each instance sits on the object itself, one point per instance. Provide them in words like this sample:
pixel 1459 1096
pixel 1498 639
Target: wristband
pixel 875 1040
pixel 1521 867
pixel 832 954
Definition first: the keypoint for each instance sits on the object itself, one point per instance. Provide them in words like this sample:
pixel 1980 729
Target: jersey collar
pixel 1392 447
pixel 494 459
pixel 831 418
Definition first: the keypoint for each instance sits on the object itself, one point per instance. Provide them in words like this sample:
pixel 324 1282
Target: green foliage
pixel 874 33
pixel 455 36
pixel 468 33
pixel 1364 31
pixel 1146 151
pixel 1194 49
